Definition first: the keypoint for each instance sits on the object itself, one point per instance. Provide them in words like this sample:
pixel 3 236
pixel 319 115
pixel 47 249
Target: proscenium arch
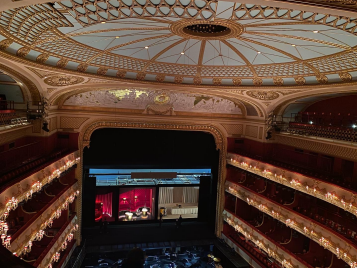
pixel 218 134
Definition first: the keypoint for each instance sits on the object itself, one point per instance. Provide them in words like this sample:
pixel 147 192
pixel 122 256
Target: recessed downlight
pixel 146 47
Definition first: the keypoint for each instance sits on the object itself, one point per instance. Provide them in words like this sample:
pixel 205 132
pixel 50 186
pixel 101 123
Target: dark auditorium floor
pixel 122 238
pixel 147 233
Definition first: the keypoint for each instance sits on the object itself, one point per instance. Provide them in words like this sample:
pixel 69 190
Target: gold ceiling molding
pixel 63 80
pixel 32 88
pixel 262 95
pixel 41 73
pixel 4 44
pixel 42 58
pixel 195 9
pixel 111 78
pixel 319 66
pixel 346 77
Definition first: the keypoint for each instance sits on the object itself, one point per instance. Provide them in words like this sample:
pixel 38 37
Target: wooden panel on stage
pixel 153 175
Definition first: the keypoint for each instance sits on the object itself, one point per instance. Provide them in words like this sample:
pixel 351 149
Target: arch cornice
pixel 281 105
pixel 30 86
pixel 90 127
pixel 214 130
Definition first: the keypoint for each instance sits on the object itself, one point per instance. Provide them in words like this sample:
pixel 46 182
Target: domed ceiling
pixel 185 42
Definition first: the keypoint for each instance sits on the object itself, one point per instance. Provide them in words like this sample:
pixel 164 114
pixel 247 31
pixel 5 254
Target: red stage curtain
pixel 106 199
pixel 144 199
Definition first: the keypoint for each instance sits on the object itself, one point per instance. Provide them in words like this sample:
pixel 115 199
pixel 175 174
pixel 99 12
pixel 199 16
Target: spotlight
pixel 269 136
pixel 311 122
pixel 354 126
pixel 45 127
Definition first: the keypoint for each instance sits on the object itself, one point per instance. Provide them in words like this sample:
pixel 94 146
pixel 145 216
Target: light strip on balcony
pixel 12 204
pixel 312 189
pixel 62 246
pixel 262 243
pixel 36 187
pixel 281 214
pixel 38 234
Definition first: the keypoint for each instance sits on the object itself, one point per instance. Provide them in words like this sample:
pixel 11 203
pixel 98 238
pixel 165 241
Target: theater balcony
pixel 39 208
pixel 326 191
pixel 289 221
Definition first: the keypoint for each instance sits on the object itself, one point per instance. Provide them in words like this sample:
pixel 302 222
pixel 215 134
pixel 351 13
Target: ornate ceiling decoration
pixel 155 100
pixel 197 42
pixel 63 80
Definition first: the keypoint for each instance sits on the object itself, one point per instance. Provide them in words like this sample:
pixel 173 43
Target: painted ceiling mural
pixel 185 41
pixel 154 100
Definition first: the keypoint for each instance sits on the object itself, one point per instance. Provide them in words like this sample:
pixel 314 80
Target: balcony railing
pixel 264 243
pixel 308 227
pixel 336 133
pixel 333 194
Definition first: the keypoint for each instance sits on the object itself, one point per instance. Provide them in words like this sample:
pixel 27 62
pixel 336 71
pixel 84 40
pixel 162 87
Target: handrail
pixel 331 193
pixel 329 239
pixel 264 242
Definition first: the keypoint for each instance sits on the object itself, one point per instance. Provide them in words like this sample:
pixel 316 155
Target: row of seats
pixel 32 166
pixel 324 176
pixel 324 132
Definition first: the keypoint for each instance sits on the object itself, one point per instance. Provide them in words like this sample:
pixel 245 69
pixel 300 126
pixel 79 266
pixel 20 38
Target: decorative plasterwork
pixel 141 99
pixel 261 52
pixel 307 227
pixel 262 242
pixel 340 197
pixel 63 80
pixel 262 95
pixel 124 9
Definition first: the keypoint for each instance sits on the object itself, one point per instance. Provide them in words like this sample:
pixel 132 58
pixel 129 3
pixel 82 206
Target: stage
pixel 186 210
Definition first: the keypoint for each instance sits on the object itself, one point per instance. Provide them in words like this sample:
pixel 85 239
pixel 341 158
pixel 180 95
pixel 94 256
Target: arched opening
pixel 184 164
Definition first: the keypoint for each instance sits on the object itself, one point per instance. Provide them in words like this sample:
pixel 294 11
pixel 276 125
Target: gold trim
pixel 220 139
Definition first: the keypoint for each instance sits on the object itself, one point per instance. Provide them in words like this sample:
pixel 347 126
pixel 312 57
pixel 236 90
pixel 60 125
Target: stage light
pixel 45 127
pixel 124 198
pixel 354 126
pixel 311 122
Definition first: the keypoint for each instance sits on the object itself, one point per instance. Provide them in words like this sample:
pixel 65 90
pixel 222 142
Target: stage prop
pixel 136 204
pixel 178 201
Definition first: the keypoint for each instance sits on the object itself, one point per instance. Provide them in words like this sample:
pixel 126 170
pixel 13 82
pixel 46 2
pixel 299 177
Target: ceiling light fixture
pixel 182 53
pixel 259 52
pixel 315 31
pixel 103 22
pixel 146 47
pixel 293 45
pixel 117 37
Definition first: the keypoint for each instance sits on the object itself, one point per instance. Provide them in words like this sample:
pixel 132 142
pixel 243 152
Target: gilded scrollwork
pixel 346 77
pixel 300 80
pixel 62 63
pixel 63 80
pixel 42 58
pixel 121 74
pixel 102 71
pixel 4 44
pixel 262 95
pixel 22 52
